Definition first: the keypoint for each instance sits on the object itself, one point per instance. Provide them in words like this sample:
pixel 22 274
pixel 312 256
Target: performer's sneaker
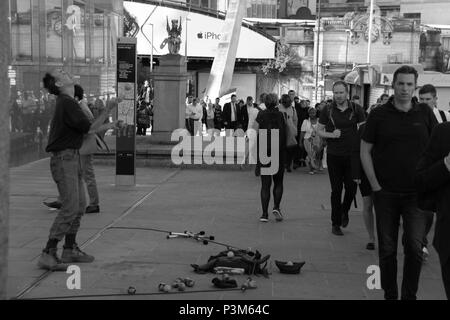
pixel 93 209
pixel 425 254
pixel 264 218
pixel 49 260
pixel 277 214
pixel 74 254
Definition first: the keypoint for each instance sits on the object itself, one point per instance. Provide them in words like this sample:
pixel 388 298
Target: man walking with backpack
pixel 338 123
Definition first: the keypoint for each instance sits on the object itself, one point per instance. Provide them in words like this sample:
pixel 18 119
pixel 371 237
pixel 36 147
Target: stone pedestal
pixel 169 79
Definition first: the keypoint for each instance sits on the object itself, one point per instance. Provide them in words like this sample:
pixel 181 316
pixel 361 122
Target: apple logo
pixel 200 35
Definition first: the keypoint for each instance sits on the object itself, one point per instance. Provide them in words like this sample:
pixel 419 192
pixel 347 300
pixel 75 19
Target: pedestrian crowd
pixel 397 152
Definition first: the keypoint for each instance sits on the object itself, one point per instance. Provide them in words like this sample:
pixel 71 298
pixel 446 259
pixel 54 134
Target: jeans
pixel 429 216
pixel 66 171
pixel 389 207
pixel 445 269
pixel 87 168
pixel 340 174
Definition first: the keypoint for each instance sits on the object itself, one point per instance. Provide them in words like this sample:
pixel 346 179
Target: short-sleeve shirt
pixel 398 139
pixel 347 122
pixel 273 119
pixel 308 128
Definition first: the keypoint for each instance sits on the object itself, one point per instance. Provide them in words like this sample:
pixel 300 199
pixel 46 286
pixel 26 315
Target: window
pixel 445 43
pixel 309 50
pixel 97 37
pixel 53 41
pixel 21 42
pixel 79 38
pixel 411 15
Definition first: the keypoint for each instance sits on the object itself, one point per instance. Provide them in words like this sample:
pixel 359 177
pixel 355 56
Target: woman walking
pixel 290 116
pixel 267 122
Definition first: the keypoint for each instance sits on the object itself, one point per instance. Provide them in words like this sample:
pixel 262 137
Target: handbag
pixel 291 132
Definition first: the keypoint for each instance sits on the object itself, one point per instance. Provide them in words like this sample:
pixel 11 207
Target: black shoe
pixel 345 220
pixel 257 170
pixel 336 230
pixel 93 209
pixel 370 246
pixel 264 218
pixel 53 205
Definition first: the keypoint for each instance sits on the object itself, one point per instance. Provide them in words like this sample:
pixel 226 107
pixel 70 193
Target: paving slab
pixel 223 203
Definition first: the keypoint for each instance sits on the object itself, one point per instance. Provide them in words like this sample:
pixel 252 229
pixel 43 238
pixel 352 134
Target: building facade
pixel 77 35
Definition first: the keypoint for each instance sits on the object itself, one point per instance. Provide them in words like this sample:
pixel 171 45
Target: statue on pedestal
pixel 174 38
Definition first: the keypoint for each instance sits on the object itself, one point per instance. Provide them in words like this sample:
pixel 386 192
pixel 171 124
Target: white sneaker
pixel 425 254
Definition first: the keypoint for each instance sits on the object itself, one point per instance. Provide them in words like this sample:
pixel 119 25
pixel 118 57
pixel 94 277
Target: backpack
pixel 330 114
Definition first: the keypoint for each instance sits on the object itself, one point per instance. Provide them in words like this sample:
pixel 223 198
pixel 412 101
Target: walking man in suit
pixel 231 114
pixel 428 95
pixel 433 181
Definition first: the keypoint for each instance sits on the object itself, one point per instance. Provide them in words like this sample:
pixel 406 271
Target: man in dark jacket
pixel 433 180
pixel 231 114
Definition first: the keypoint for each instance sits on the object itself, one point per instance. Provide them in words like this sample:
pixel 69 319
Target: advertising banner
pixel 126 89
pixel 201 33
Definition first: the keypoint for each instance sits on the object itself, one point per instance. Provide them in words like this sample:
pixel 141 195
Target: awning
pixel 352 77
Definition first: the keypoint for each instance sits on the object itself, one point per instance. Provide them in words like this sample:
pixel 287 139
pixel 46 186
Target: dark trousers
pixel 231 126
pixel 389 207
pixel 266 182
pixel 141 130
pixel 290 156
pixel 187 124
pixel 340 174
pixel 429 217
pixel 445 269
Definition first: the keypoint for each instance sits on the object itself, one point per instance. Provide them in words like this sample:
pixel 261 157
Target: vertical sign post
pixel 126 91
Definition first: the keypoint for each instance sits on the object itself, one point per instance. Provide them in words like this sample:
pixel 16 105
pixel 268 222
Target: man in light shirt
pixel 291 94
pixel 188 114
pixel 428 95
pixel 195 118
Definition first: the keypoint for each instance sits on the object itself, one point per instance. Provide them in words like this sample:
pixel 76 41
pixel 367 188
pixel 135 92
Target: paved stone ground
pixel 221 202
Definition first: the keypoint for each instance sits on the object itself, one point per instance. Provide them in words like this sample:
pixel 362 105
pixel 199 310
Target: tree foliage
pixel 283 56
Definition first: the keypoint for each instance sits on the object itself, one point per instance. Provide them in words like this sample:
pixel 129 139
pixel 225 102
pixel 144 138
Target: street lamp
pixel 317 48
pixel 369 40
pixel 185 45
pixel 151 52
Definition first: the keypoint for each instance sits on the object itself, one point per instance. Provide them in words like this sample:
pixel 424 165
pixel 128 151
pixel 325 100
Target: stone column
pixel 4 145
pixel 170 79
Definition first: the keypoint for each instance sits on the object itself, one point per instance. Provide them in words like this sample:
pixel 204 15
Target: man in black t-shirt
pixel 338 123
pixel 395 136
